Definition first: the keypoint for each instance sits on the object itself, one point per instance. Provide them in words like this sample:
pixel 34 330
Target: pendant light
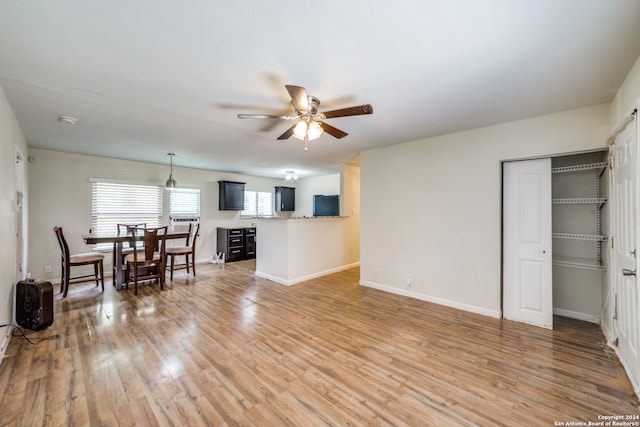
pixel 171 183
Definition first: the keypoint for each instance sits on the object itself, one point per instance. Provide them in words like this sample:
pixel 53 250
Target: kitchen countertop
pixel 303 217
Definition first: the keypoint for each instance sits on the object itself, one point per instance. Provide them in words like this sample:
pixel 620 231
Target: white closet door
pixel 625 283
pixel 527 264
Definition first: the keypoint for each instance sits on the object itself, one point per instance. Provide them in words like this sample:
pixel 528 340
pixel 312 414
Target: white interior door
pixel 625 283
pixel 527 269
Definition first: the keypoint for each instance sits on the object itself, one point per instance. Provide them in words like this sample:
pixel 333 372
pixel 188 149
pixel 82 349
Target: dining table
pixel 118 240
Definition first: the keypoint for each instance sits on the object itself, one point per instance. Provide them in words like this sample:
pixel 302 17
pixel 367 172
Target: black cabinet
pixel 236 243
pixel 230 195
pixel 250 243
pixel 231 242
pixel 285 199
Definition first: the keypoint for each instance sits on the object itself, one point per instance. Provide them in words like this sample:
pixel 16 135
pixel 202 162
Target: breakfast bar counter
pixel 293 250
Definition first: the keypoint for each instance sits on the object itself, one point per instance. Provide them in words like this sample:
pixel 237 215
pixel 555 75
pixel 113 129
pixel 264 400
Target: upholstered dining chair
pixel 147 262
pixel 68 261
pixel 188 251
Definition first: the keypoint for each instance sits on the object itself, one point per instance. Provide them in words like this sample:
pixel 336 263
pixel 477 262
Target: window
pixel 115 203
pixel 184 202
pixel 257 203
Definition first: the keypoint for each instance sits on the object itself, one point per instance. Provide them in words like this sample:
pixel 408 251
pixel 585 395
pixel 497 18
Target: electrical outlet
pixel 409 279
pixel 377 272
pixel 48 269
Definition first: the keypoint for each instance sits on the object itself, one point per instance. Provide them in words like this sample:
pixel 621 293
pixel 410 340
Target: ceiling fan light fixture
pixel 311 129
pixel 310 122
pixel 291 176
pixel 171 183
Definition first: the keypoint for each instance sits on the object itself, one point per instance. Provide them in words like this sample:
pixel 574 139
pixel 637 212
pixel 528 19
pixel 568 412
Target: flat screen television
pixel 326 205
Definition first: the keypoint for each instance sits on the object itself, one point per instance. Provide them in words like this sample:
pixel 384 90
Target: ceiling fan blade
pixel 351 111
pixel 262 116
pixel 333 131
pixel 287 133
pixel 299 97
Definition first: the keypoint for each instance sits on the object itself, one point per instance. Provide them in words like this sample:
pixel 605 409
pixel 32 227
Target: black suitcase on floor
pixel 34 304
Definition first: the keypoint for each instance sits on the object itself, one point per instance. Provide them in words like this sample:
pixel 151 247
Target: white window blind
pixel 116 203
pixel 184 201
pixel 257 203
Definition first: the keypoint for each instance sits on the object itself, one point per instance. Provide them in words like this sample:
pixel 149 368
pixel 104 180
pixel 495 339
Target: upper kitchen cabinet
pixel 230 196
pixel 285 199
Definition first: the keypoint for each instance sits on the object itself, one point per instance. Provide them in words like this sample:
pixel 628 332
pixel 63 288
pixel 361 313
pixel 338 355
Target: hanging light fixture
pixel 171 183
pixel 309 129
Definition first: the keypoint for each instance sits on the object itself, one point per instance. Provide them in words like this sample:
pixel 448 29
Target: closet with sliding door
pixel 555 216
pixel 579 187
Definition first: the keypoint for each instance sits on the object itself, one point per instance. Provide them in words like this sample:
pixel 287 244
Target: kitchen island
pixel 296 249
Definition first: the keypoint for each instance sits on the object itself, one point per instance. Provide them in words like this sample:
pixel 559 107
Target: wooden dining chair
pixel 68 261
pixel 147 262
pixel 124 230
pixel 188 251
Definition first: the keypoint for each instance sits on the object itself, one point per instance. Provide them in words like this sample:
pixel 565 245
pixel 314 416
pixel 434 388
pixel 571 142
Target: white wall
pixel 60 194
pixel 432 208
pixel 295 250
pixel 627 96
pixel 347 185
pixel 11 139
pixel 307 188
pixel 350 208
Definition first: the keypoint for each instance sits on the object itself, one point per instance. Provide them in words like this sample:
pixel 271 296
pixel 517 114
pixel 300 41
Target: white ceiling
pixel 149 77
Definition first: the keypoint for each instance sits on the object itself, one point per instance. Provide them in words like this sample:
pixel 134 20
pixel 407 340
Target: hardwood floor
pixel 228 348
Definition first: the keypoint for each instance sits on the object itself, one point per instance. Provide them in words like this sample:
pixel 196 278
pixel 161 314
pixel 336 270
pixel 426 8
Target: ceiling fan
pixel 309 122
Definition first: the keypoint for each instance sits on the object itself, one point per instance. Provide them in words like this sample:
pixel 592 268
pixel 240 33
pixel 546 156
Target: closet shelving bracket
pixel 587 264
pixel 581 201
pixel 575 236
pixel 600 167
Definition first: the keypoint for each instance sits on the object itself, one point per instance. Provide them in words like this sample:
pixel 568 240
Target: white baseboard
pixel 577 315
pixel 453 304
pixel 289 282
pixel 634 383
pixel 4 340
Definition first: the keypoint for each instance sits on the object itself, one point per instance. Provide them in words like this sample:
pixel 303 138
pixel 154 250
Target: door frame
pixel 609 328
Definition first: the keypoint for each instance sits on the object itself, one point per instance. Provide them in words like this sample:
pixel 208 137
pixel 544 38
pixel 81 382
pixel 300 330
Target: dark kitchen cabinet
pixel 230 195
pixel 250 243
pixel 231 242
pixel 285 199
pixel 236 243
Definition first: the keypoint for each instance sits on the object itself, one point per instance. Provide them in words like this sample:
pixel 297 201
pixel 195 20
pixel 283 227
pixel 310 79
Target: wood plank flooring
pixel 228 348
